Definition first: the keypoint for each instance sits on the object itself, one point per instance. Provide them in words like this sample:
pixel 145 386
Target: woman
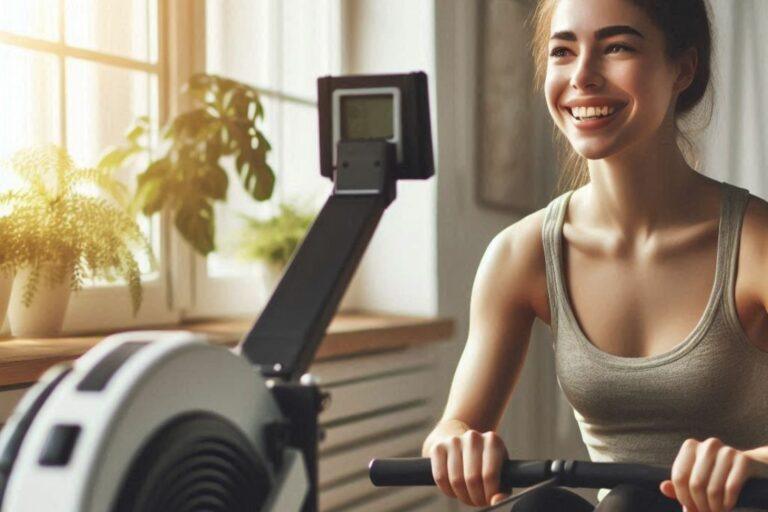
pixel 621 268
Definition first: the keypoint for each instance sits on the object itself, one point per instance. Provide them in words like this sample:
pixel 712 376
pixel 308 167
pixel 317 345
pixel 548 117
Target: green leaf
pixel 153 187
pixel 213 148
pixel 117 157
pixel 199 82
pixel 139 130
pixel 265 184
pixel 214 182
pixel 151 196
pixel 194 220
pixel 159 169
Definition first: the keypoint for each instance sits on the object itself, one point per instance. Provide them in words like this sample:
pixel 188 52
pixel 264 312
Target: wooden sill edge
pixel 23 360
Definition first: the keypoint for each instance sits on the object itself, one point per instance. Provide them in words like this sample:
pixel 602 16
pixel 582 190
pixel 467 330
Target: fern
pixel 55 228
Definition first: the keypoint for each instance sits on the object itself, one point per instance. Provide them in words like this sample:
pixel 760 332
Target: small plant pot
pixel 6 284
pixel 45 315
pixel 273 272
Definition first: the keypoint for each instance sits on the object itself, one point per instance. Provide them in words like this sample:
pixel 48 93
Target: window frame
pixel 107 307
pixel 183 289
pixel 217 296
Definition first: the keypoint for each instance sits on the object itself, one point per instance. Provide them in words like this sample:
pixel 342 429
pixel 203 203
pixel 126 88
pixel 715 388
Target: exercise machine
pixel 163 421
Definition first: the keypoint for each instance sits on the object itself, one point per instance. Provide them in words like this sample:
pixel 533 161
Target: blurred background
pixel 79 73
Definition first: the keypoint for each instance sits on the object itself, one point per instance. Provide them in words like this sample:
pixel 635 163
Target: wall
pixel 733 145
pixel 396 37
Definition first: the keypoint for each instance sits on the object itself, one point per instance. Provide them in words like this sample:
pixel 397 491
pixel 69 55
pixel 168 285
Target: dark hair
pixel 685 24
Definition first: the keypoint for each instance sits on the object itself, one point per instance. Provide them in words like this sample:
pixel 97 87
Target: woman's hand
pixel 468 467
pixel 708 476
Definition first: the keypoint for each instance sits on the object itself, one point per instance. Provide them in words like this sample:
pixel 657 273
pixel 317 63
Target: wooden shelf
pixel 23 360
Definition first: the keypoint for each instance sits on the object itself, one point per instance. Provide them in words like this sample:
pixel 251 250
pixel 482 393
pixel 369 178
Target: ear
pixel 687 64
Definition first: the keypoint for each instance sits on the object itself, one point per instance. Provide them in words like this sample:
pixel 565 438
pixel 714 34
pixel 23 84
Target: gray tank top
pixel 641 409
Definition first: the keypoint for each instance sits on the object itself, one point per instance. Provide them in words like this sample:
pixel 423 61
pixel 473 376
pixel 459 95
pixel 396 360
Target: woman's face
pixel 608 55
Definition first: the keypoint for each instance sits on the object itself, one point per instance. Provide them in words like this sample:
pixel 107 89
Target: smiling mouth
pixel 597 114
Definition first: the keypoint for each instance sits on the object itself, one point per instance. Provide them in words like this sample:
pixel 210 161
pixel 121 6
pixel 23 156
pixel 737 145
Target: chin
pixel 594 151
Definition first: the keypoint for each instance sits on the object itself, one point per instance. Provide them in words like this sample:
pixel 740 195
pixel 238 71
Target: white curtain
pixel 733 148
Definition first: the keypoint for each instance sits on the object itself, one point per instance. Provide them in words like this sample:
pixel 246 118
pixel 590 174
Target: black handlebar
pixel 568 473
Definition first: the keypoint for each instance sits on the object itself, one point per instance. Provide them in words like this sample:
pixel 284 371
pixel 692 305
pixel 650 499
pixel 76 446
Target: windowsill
pixel 23 360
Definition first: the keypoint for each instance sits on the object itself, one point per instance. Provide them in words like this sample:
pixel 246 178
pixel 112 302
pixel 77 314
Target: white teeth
pixel 586 112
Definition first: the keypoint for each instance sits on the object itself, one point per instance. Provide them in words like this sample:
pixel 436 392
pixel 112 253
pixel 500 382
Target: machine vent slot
pixel 100 375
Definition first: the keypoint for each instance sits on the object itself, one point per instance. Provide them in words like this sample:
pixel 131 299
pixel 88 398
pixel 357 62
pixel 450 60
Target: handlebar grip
pixel 405 471
pixel 418 471
pixel 522 473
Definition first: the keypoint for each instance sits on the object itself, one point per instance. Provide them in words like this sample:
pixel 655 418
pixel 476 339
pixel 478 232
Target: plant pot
pixel 45 314
pixel 6 284
pixel 271 276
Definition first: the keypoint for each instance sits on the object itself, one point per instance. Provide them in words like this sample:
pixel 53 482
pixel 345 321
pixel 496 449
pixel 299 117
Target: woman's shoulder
pixel 753 257
pixel 524 242
pixel 754 230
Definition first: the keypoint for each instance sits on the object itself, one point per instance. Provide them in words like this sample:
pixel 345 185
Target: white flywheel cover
pixel 175 373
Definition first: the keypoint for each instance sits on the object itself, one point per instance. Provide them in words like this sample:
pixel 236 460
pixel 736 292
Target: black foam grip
pixel 521 473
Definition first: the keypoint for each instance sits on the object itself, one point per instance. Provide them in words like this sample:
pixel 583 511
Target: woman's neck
pixel 643 189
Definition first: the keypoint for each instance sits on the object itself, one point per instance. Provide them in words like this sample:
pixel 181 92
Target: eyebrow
pixel 603 33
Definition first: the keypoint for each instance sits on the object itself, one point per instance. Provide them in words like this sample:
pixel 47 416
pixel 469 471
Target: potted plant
pixel 6 262
pixel 66 224
pixel 274 240
pixel 187 176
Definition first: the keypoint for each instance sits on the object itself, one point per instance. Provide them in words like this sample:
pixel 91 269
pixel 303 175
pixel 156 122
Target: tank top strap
pixel 551 239
pixel 736 199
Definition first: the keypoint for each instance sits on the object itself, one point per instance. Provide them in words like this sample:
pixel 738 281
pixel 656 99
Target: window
pixel 280 47
pixel 79 72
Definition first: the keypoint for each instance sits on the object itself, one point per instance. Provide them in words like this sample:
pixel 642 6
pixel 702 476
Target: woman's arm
pixel 500 321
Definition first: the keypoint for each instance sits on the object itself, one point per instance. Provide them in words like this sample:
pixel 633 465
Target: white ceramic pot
pixel 271 276
pixel 6 283
pixel 45 315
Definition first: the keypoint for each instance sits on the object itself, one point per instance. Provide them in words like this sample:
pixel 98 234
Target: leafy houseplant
pixel 68 222
pixel 188 176
pixel 274 240
pixel 6 268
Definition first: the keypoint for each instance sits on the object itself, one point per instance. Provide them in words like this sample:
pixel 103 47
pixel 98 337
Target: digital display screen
pixel 367 117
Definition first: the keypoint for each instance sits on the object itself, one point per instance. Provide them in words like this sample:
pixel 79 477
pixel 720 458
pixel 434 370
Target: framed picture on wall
pixel 505 175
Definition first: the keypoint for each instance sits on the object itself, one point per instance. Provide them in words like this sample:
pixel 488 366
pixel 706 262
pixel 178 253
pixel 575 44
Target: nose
pixel 586 75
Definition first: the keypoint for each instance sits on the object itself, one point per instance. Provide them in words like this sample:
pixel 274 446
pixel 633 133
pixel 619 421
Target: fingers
pixel 736 479
pixel 718 478
pixel 498 497
pixel 700 474
pixel 473 466
pixel 708 476
pixel 438 456
pixel 456 471
pixel 495 454
pixel 681 473
pixel 468 467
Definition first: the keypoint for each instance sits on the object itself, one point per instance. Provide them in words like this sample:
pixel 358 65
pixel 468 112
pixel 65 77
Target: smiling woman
pixel 675 30
pixel 633 267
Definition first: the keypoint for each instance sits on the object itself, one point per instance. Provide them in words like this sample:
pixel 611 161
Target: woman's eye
pixel 557 52
pixel 614 48
pixel 619 46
